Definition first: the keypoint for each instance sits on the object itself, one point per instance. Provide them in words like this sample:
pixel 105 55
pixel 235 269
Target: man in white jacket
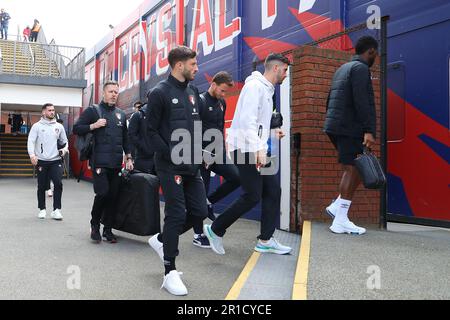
pixel 47 144
pixel 248 139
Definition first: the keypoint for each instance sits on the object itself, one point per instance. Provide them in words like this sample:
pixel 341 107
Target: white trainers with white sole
pixel 56 215
pixel 173 284
pixel 157 246
pixel 272 246
pixel 42 214
pixel 346 227
pixel 215 241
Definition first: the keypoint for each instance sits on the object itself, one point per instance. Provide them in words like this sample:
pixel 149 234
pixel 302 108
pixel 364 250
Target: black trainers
pixel 201 242
pixel 109 236
pixel 95 234
pixel 211 215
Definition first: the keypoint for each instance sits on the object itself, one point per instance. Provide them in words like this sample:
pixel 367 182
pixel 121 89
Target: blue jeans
pixel 4 31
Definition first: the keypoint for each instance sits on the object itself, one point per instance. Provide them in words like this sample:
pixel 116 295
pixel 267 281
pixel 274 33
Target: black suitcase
pixel 138 210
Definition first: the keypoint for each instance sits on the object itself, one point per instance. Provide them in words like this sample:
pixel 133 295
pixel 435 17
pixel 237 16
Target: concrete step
pixel 11 136
pixel 15 161
pixel 14 166
pixel 16 171
pixel 8 156
pixel 13 143
pixel 13 149
pixel 16 175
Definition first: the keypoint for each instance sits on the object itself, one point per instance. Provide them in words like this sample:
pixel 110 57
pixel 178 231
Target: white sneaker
pixel 273 246
pixel 346 227
pixel 157 246
pixel 215 241
pixel 56 215
pixel 50 193
pixel 172 283
pixel 42 214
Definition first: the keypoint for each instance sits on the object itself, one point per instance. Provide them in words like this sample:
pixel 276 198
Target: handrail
pixel 31 54
pixel 63 62
pixel 53 52
pixel 44 44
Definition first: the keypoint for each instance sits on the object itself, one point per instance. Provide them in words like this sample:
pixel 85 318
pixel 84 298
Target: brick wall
pixel 320 174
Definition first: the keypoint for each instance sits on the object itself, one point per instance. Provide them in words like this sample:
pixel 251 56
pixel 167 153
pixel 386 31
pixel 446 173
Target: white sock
pixel 335 204
pixel 343 209
pixel 333 207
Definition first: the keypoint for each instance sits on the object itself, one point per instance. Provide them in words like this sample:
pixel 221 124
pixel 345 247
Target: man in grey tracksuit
pixel 47 144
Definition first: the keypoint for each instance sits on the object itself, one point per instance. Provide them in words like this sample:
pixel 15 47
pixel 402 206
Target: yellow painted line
pixel 237 287
pixel 300 291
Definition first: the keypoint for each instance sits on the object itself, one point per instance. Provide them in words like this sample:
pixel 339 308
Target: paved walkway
pixel 406 262
pixel 43 259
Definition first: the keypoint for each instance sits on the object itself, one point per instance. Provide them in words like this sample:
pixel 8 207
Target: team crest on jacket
pixel 57 131
pixel 192 100
pixel 119 116
pixel 178 180
pixel 221 107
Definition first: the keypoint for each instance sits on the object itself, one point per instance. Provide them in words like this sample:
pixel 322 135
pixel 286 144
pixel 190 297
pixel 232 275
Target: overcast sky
pixel 76 23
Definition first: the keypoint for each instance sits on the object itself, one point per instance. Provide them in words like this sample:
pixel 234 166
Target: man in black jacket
pixel 173 112
pixel 109 126
pixel 140 142
pixel 212 114
pixel 351 125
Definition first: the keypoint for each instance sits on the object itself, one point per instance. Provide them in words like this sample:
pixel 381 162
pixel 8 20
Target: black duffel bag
pixel 138 209
pixel 370 170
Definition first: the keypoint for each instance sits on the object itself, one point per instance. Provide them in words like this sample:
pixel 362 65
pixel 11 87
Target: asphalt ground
pixel 51 260
pixel 406 262
pixel 42 259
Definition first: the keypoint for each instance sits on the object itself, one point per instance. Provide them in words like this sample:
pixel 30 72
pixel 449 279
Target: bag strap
pixel 98 110
pixel 203 98
pixel 141 113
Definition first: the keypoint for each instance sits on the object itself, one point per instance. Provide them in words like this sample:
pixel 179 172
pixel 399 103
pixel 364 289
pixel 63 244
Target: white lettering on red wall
pixel 225 33
pixel 306 5
pixel 269 13
pixel 202 27
pixel 128 64
pixel 164 39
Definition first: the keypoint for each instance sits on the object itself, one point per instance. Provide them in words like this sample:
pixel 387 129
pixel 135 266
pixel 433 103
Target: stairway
pixel 41 66
pixel 14 159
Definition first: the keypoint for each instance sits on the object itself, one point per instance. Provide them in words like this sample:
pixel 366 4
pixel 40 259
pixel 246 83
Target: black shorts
pixel 348 148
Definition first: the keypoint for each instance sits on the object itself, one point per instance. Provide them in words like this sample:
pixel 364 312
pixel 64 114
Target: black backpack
pixel 85 143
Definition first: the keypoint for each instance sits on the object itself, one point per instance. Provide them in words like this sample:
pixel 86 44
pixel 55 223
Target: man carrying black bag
pixel 110 142
pixel 139 139
pixel 351 125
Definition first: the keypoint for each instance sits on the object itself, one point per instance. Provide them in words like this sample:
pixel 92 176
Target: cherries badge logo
pixel 178 180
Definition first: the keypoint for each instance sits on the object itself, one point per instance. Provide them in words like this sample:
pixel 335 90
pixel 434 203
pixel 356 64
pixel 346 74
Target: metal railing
pixel 38 59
